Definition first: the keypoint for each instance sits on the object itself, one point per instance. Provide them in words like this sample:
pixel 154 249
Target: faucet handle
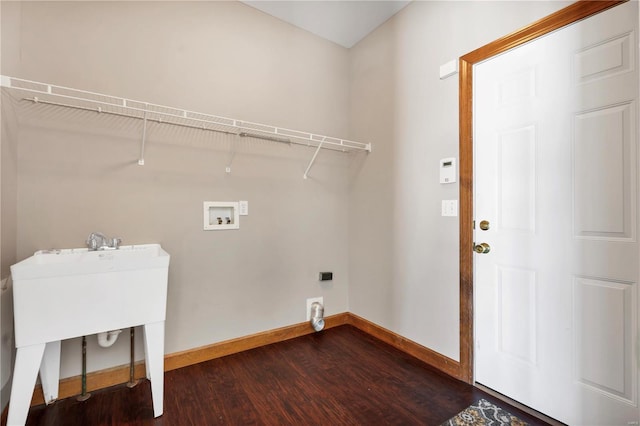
pixel 92 243
pixel 115 242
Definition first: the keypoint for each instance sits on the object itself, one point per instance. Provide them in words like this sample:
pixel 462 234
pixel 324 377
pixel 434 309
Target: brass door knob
pixel 482 248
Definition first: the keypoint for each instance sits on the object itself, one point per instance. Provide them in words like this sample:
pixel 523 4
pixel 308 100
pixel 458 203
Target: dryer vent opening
pixel 317 316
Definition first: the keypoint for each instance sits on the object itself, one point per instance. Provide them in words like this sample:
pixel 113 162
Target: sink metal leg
pixel 132 358
pixel 84 395
pixel 28 359
pixel 154 357
pixel 50 371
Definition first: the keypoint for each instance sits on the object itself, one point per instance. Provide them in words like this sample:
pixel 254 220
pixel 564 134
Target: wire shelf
pixel 50 94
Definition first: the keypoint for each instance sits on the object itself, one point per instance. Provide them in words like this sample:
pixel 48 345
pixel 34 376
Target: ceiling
pixel 345 22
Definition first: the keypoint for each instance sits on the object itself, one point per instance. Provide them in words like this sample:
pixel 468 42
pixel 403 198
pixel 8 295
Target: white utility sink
pixel 62 294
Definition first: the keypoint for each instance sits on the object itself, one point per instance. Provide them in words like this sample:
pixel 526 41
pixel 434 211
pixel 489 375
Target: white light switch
pixel 449 207
pixel 243 207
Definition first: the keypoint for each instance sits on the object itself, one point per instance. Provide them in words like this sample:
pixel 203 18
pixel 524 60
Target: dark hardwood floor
pixel 340 376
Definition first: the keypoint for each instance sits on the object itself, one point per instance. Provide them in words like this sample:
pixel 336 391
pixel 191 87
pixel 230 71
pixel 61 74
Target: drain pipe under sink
pixel 108 338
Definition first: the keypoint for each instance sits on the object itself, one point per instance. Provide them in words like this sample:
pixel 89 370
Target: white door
pixel 556 162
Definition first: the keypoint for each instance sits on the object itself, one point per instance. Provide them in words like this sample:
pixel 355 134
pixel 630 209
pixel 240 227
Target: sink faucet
pixel 99 241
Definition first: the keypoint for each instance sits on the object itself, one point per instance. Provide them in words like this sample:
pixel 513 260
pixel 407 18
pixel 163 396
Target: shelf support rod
pixel 313 159
pixel 144 140
pixel 232 155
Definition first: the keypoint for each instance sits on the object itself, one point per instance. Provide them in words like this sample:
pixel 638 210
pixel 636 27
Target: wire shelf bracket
pixel 144 139
pixel 313 159
pixel 51 94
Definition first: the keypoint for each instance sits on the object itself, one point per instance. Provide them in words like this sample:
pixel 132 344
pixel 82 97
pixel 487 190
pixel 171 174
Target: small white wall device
pixel 449 69
pixel 448 170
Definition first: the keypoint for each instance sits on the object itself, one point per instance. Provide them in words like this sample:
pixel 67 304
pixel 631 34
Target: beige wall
pixel 373 220
pixel 8 206
pixel 8 188
pixel 8 240
pixel 403 255
pixel 77 171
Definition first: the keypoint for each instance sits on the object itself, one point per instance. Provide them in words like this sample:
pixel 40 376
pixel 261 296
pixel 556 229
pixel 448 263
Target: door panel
pixel 556 298
pixel 605 59
pixel 517 179
pixel 603 190
pixel 603 323
pixel 517 303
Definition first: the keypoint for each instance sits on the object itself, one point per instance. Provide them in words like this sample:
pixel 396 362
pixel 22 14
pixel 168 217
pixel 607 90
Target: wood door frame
pixel 576 11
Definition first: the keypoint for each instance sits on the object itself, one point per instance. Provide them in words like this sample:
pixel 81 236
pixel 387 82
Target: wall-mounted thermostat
pixel 448 170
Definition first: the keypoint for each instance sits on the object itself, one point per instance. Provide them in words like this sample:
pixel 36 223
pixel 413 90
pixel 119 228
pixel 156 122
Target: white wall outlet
pixel 310 302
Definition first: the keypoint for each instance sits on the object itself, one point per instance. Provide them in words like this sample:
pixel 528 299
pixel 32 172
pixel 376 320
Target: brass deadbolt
pixel 484 225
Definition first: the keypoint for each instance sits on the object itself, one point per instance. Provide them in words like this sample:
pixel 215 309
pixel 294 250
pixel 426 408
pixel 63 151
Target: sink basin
pixel 52 263
pixel 60 294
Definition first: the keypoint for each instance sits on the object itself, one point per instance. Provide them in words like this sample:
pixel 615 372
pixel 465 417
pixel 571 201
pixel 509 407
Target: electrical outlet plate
pixel 310 302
